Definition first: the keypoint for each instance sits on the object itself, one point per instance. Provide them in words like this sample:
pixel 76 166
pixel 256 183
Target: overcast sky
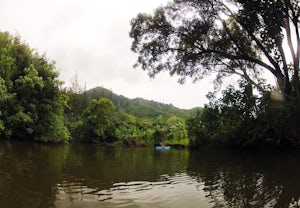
pixel 92 38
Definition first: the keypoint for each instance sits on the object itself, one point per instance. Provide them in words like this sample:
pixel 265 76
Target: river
pixel 88 176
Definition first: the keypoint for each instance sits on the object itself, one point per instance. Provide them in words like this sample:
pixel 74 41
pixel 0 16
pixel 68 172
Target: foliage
pixel 132 122
pixel 33 106
pixel 227 119
pixel 278 123
pixel 76 104
pixel 132 135
pixel 171 135
pixel 244 119
pixel 138 107
pixel 178 134
pixel 236 37
pixel 31 103
pixel 97 121
pixel 248 38
pixel 203 126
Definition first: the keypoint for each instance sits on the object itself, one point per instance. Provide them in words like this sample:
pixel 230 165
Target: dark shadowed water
pixel 80 175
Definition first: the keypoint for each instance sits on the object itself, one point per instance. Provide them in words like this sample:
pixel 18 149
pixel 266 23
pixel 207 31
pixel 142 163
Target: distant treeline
pixel 35 107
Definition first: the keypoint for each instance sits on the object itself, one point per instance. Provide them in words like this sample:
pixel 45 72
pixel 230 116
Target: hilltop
pixel 139 107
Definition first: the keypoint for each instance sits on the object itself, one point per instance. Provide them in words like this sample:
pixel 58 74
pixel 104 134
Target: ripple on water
pixel 170 191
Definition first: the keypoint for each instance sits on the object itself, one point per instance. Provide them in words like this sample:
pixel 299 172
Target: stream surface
pixel 89 176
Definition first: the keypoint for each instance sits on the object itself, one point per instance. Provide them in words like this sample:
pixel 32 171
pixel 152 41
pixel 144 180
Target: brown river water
pixel 89 176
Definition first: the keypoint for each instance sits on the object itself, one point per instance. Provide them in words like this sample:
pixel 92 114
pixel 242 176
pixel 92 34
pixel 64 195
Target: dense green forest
pixel 130 122
pixel 140 107
pixel 248 40
pixel 244 40
pixel 31 103
pixel 34 106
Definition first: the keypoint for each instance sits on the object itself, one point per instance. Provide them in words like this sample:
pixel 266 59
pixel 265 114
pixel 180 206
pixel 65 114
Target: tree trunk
pixel 297 85
pixel 284 87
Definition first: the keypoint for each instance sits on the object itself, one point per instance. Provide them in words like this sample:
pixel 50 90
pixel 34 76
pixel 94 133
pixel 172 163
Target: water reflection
pixel 169 191
pixel 78 175
pixel 237 179
pixel 28 174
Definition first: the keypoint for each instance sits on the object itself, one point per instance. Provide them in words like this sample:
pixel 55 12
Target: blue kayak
pixel 162 147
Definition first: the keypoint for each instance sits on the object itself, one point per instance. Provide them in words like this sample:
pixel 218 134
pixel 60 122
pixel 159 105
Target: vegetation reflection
pixel 237 179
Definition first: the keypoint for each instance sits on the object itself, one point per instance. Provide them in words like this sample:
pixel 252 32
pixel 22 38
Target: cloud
pixel 92 37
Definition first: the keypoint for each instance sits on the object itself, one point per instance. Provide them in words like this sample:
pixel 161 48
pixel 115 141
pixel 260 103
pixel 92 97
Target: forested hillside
pixel 139 107
pixel 99 115
pixel 35 107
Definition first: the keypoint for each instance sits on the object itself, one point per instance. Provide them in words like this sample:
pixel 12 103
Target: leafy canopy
pixel 98 125
pixel 196 38
pixel 31 104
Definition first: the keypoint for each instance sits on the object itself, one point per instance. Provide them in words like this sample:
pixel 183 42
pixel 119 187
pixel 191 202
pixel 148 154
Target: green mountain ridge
pixel 140 107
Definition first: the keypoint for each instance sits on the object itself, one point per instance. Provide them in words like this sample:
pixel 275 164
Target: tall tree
pixel 196 38
pixel 98 125
pixel 31 103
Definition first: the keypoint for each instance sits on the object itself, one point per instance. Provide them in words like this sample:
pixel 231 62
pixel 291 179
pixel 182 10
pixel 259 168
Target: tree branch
pixel 245 75
pixel 258 43
pixel 245 58
pixel 295 54
pixel 288 33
